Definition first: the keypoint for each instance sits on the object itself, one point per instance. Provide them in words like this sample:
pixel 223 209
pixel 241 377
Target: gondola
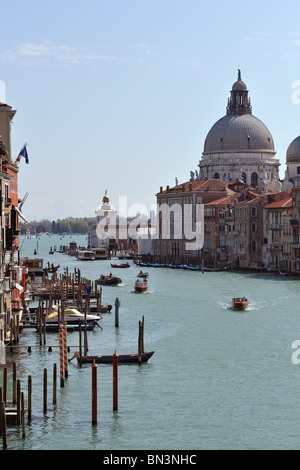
pixel 122 358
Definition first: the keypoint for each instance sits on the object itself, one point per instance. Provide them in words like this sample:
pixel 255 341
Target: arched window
pixel 253 227
pixel 254 179
pixel 244 177
pixel 217 176
pixel 253 245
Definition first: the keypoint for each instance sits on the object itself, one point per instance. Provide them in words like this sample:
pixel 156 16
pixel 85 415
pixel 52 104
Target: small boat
pixel 51 269
pixel 121 265
pixel 143 275
pixel 141 286
pixel 109 280
pixel 70 327
pixel 239 303
pixel 122 358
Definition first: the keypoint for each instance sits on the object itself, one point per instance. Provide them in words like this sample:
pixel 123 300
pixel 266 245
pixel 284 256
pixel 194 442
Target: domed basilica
pixel 240 147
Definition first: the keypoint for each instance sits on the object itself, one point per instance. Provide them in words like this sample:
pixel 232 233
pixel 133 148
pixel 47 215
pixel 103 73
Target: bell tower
pixel 239 103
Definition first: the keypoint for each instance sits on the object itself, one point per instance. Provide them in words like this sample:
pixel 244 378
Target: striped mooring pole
pixel 65 349
pixel 61 357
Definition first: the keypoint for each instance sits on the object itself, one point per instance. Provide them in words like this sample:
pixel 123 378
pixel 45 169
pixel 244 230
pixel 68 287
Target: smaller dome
pixel 239 86
pixel 293 151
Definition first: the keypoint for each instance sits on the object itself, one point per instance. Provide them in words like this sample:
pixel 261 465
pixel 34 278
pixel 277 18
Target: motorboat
pixel 71 316
pixel 141 286
pixel 239 303
pixel 121 265
pixel 109 280
pixel 143 275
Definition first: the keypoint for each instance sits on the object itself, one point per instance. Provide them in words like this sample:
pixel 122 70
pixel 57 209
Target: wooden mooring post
pixel 115 381
pixel 3 425
pixel 94 393
pixel 117 305
pixel 141 340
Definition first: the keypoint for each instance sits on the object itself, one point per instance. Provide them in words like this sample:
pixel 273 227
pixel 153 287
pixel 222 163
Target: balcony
pixel 294 222
pixel 276 227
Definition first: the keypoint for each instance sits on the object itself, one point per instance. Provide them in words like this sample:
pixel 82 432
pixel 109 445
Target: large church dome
pixel 293 151
pixel 238 132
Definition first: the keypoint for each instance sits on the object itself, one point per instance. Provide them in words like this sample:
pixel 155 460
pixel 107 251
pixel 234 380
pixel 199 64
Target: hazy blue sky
pixel 120 94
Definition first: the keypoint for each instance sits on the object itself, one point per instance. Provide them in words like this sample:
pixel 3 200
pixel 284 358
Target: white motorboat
pixel 71 315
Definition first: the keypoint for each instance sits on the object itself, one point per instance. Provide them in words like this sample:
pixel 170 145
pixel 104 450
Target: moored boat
pixel 239 303
pixel 141 286
pixel 71 315
pixel 122 358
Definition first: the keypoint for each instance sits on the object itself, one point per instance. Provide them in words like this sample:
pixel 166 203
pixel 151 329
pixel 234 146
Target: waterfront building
pixel 295 225
pixel 277 212
pixel 12 279
pixel 111 230
pixel 172 236
pixel 251 217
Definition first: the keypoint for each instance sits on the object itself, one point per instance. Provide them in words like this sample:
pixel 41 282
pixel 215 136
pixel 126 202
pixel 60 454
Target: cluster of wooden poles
pixel 53 290
pixel 14 412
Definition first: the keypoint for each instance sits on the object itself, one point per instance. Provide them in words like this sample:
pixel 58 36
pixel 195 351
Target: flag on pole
pixel 23 153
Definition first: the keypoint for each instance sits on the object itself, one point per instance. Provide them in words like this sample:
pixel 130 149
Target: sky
pixel 119 95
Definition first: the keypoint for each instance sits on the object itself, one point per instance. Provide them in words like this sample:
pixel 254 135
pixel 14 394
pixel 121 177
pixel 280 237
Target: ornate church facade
pixel 251 217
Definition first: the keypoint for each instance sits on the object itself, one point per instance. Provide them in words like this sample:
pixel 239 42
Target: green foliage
pixel 68 225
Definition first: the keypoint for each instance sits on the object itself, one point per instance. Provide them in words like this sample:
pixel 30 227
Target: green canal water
pixel 219 379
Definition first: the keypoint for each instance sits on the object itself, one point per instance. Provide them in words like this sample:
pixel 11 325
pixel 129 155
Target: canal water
pixel 219 379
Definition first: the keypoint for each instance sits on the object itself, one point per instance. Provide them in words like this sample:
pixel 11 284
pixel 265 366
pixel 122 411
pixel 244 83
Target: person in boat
pixel 110 275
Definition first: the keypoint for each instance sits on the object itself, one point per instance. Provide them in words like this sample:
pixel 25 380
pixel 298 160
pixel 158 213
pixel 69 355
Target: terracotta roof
pixel 198 185
pixel 229 199
pixel 287 202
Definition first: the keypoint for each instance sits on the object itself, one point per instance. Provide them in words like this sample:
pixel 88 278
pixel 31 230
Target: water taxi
pixel 239 303
pixel 141 286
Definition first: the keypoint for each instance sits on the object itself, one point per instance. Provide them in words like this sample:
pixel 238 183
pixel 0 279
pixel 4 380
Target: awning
pixel 19 287
pixel 20 214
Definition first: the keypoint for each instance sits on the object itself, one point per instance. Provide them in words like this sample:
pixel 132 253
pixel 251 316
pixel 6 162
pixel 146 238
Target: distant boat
pixel 142 274
pixel 239 303
pixel 121 265
pixel 100 253
pixel 86 255
pixel 141 286
pixel 51 269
